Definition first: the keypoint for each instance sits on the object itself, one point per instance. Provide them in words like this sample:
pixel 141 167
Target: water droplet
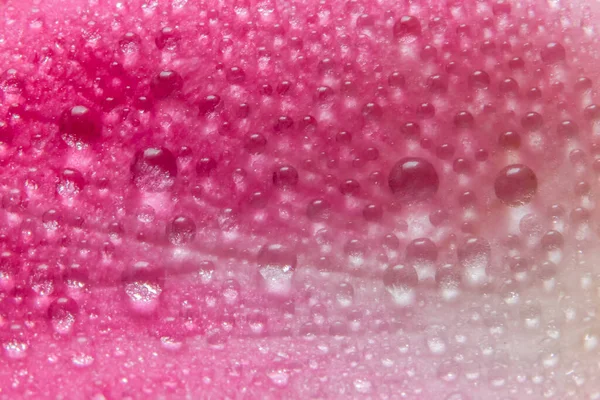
pixel 62 313
pixel 500 8
pixel 70 183
pixel 508 86
pixel 406 27
pixel 43 280
pixel 276 266
pixel 283 124
pixel 448 281
pixel 413 179
pixel 509 140
pixel 448 371
pixel 463 120
pixel 567 129
pixel 552 240
pixel 553 53
pixel 400 281
pixel 258 323
pixel 52 219
pixel 425 111
pixel 130 43
pixel 143 287
pixel 344 294
pixel 319 210
pixel 154 169
pixel 532 121
pixel 80 125
pixel 372 212
pixel 474 256
pixel 235 75
pixel 181 231
pixel 479 80
pixel 349 187
pixel 15 347
pixel 363 386
pixel 396 80
pixel 285 176
pixel 516 185
pixel 255 143
pixel 210 104
pixel 11 82
pixel 166 83
pixel 167 38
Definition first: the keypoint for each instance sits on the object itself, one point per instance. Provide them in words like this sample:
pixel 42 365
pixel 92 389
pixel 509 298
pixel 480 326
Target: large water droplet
pixel 474 256
pixel 285 176
pixel 276 267
pixel 516 185
pixel 400 281
pixel 62 313
pixel 413 179
pixel 406 27
pixel 143 287
pixel 70 183
pixel 80 125
pixel 166 83
pixel 553 52
pixel 181 230
pixel 154 169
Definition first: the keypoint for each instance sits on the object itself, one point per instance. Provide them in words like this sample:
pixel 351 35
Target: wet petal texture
pixel 299 199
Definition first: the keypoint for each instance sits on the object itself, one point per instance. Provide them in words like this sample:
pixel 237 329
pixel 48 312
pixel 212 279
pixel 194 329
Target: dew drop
pixel 255 143
pixel 51 219
pixel 165 84
pixel 143 287
pixel 509 140
pixel 396 80
pixel 532 121
pixel 479 79
pixel 235 75
pixel 400 282
pixel 553 53
pixel 448 281
pixel 167 38
pixel 372 212
pixel 276 267
pixel 344 294
pixel 474 256
pixel 80 125
pixel 407 26
pixel 285 176
pixel 515 185
pixel 62 313
pixel 70 183
pixel 319 210
pixel 413 179
pixel 130 43
pixel 181 231
pixel 210 103
pixel 154 169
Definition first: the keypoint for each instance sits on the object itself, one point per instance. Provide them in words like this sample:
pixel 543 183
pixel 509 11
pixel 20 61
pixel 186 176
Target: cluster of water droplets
pixel 357 172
